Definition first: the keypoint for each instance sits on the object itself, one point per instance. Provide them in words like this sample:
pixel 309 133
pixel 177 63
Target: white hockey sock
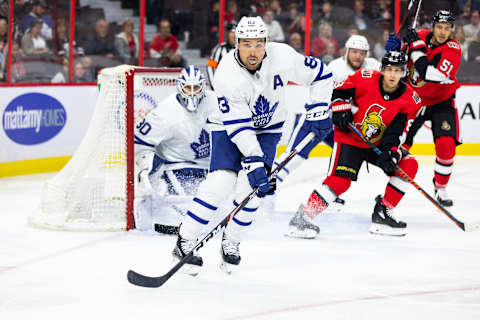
pixel 211 192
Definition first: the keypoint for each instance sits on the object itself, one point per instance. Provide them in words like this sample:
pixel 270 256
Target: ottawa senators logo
pixel 415 79
pixel 372 125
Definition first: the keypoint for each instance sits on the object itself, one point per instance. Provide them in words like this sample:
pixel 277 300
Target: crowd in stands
pixel 40 50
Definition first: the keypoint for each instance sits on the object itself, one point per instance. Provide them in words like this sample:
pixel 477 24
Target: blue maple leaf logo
pixel 263 112
pixel 201 148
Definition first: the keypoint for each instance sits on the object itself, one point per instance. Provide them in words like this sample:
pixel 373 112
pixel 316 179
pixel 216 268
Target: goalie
pixel 172 153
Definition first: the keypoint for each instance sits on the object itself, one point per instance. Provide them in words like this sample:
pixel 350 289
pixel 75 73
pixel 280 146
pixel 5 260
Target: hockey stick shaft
pixel 414 25
pixel 154 282
pixel 405 176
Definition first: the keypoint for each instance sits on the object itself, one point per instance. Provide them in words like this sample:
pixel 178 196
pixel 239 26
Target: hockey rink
pixel 346 273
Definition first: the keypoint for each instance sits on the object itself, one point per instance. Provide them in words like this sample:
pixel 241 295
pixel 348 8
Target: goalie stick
pixel 155 282
pixel 404 175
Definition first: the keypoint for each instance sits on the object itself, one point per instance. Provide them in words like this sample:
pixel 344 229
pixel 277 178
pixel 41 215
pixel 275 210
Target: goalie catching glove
pixel 388 160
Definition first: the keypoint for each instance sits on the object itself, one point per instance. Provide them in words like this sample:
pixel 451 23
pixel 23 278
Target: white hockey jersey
pixel 342 70
pixel 251 104
pixel 179 137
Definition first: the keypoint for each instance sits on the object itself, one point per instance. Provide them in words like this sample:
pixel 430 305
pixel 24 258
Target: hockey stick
pixel 414 25
pixel 155 282
pixel 404 175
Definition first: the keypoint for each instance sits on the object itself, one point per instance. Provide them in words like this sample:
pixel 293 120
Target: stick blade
pixel 141 280
pixel 472 226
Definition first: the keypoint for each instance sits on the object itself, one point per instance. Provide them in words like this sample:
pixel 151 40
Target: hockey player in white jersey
pixel 176 136
pixel 250 83
pixel 356 57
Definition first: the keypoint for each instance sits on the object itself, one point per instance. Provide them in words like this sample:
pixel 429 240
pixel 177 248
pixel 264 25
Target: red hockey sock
pixel 396 186
pixel 445 149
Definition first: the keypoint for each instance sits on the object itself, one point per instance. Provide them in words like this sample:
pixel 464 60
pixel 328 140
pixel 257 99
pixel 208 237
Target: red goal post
pixel 95 190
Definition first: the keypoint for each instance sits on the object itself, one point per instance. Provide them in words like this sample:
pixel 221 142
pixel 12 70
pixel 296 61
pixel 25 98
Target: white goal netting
pixel 94 191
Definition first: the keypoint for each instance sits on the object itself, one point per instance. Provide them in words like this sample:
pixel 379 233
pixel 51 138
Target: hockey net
pixel 95 190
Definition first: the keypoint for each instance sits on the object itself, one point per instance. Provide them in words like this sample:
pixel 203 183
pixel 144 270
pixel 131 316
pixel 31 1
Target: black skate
pixel 182 248
pixel 442 197
pixel 384 222
pixel 230 255
pixel 301 226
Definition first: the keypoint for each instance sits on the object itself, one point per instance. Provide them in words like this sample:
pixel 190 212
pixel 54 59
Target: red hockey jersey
pixel 376 109
pixel 446 58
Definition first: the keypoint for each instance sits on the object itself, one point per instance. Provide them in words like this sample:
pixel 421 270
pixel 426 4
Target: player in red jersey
pixel 386 108
pixel 434 61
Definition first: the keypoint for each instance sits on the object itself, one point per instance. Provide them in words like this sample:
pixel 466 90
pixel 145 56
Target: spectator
pixel 319 44
pixel 100 43
pixel 62 75
pixel 379 47
pixel 358 17
pixel 4 9
pixel 33 43
pixel 62 40
pixel 295 21
pixel 460 37
pixel 126 43
pixel 89 68
pixel 38 12
pixel 327 14
pixel 79 74
pixel 19 9
pixel 212 25
pixel 295 41
pixel 232 16
pixel 19 72
pixel 3 47
pixel 464 17
pixel 219 52
pixel 381 13
pixel 471 29
pixel 474 50
pixel 275 32
pixel 258 7
pixel 165 47
pixel 276 7
pixel 329 54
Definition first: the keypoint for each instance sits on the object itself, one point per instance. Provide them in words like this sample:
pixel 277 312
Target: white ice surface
pixel 347 273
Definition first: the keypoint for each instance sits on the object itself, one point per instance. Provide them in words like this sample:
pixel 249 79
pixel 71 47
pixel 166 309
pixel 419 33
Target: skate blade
pixel 228 268
pixel 189 269
pixel 384 230
pixel 294 232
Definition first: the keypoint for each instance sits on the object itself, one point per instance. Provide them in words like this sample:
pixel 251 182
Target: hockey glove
pixel 342 115
pixel 413 40
pixel 254 166
pixel 388 160
pixel 394 43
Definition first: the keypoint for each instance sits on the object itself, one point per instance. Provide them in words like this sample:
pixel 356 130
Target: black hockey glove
pixel 389 160
pixel 413 41
pixel 342 119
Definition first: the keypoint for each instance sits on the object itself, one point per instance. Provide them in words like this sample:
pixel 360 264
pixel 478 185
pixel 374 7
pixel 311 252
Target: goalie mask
pixel 190 88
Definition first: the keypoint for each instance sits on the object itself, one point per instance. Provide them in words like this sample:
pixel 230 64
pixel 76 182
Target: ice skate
pixel 338 204
pixel 230 255
pixel 384 222
pixel 300 226
pixel 442 196
pixel 182 248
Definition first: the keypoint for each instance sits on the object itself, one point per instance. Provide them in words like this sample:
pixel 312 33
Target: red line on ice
pixel 343 301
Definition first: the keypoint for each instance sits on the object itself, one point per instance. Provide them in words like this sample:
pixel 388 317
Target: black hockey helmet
pixel 231 27
pixel 394 58
pixel 443 16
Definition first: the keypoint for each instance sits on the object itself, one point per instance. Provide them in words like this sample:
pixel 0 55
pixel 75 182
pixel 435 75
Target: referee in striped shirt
pixel 219 51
